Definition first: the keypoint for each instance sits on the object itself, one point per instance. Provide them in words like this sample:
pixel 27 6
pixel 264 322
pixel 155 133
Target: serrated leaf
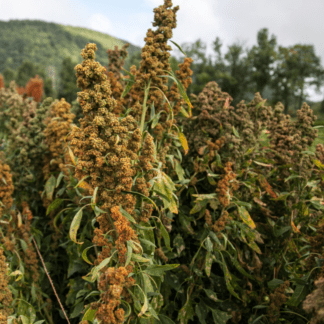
pixel 75 226
pixel 186 313
pixel 219 316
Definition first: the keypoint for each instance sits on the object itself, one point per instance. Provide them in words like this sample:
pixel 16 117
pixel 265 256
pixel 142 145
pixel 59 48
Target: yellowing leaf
pixel 72 156
pixel 294 227
pixel 244 214
pixel 226 104
pixel 75 226
pixel 85 185
pixel 183 142
pixel 319 164
pixel 19 220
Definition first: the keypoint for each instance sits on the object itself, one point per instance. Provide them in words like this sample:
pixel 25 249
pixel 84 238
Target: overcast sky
pixel 291 21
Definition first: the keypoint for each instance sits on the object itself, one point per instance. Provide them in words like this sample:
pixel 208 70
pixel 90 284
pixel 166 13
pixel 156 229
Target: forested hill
pixel 49 43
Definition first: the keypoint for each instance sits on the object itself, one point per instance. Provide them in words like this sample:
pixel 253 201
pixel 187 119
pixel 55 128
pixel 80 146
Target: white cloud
pixel 101 23
pixel 70 12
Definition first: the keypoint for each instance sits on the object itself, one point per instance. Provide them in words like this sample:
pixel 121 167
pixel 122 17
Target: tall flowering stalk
pixel 56 133
pixel 109 156
pixel 5 294
pixel 155 67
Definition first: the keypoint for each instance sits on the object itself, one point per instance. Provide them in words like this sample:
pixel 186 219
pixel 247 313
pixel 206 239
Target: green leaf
pixel 54 204
pixel 179 170
pixel 138 258
pixel 165 235
pixel 274 283
pixel 185 223
pixel 199 205
pixel 126 215
pixel 59 178
pixel 77 310
pixel 219 316
pixel 235 132
pixel 50 187
pixel 89 315
pixel 75 226
pixel 84 254
pixel 208 263
pixel 228 278
pixel 238 266
pixel 158 270
pixel 211 294
pixel 179 244
pixel 201 312
pixel 24 319
pixel 129 254
pixel 186 313
pixel 209 244
pixel 179 47
pixel 298 296
pixel 129 309
pixel 145 305
pixel 165 320
pixel 164 185
pixel 156 119
pixel 103 264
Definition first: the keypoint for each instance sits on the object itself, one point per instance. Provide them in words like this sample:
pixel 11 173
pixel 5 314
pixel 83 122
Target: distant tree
pixel 26 71
pixel 203 70
pixel 297 67
pixel 29 70
pixel 236 79
pixel 322 107
pixel 67 86
pixel 8 75
pixel 262 57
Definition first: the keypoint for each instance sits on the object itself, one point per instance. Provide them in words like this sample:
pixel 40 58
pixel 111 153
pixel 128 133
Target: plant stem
pixel 49 278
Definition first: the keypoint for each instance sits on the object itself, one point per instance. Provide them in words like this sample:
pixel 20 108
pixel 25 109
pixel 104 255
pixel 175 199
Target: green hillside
pixel 49 43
